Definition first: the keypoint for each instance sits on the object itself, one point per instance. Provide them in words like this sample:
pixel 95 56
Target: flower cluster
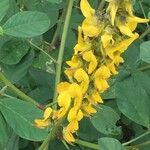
pixel 102 37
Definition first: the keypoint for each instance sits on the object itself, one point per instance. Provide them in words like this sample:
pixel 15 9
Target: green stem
pixel 51 104
pixel 18 92
pixel 62 46
pixel 101 5
pixel 145 33
pixel 137 138
pixel 143 12
pixel 51 136
pixel 86 144
pixel 142 144
pixel 51 58
pixel 144 68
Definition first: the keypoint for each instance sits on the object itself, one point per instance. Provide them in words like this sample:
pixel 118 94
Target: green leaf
pixel 55 1
pixel 3 132
pixel 18 71
pixel 87 130
pixel 13 142
pixel 50 9
pixel 27 24
pixel 20 116
pixel 4 5
pixel 13 51
pixel 132 55
pixel 109 144
pixel 104 122
pixel 133 101
pixel 145 51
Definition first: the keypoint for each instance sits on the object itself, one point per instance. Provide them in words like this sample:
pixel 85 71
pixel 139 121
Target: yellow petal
pixel 74 62
pixel 79 115
pixel 47 113
pixel 68 137
pixel 75 91
pixel 86 9
pixel 124 28
pixel 128 7
pixel 95 97
pixel 88 109
pixel 40 123
pixel 72 114
pixel 73 126
pixel 137 19
pixel 106 38
pixel 91 27
pixel 101 85
pixel 112 8
pixel 81 76
pixel 103 73
pixel 112 68
pixel 63 86
pixel 64 99
pixel 90 57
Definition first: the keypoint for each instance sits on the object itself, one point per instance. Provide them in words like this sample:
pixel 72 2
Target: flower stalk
pixel 62 46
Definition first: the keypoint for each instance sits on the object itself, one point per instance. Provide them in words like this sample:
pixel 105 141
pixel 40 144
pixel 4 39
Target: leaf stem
pixel 51 58
pixel 144 68
pixel 145 33
pixel 86 144
pixel 140 3
pixel 62 46
pixel 101 5
pixel 18 92
pixel 135 139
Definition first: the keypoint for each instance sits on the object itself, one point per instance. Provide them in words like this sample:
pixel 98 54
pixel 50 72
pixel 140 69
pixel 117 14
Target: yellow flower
pixel 74 64
pixel 103 73
pixel 82 77
pixel 88 109
pixel 123 26
pixel 90 57
pixel 91 26
pixel 75 90
pixel 112 9
pixel 75 114
pixel 100 77
pixel 95 98
pixel 107 37
pixel 42 123
pixel 83 44
pixel 67 135
pixel 63 86
pixel 64 101
pixel 132 21
pixel 128 6
pixel 120 46
pixel 113 64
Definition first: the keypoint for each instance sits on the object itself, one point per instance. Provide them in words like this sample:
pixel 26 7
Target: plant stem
pixel 86 144
pixel 145 33
pixel 144 68
pixel 51 58
pixel 18 92
pixel 101 5
pixel 135 139
pixel 142 144
pixel 51 136
pixel 62 46
pixel 143 12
